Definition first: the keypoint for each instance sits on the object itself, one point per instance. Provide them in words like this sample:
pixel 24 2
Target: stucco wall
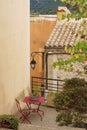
pixel 14 52
pixel 39 33
pixel 56 73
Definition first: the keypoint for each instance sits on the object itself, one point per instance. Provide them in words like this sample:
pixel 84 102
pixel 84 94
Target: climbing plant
pixel 78 7
pixel 78 52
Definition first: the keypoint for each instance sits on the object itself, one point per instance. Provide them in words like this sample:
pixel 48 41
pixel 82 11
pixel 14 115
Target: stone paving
pixel 48 122
pixel 33 127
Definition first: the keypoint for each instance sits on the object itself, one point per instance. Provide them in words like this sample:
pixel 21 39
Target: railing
pixel 51 85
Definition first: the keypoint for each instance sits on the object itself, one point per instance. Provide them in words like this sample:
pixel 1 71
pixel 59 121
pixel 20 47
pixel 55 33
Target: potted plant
pixel 35 92
pixel 9 121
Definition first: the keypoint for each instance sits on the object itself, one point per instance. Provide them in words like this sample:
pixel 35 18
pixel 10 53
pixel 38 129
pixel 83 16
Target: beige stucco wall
pixel 14 52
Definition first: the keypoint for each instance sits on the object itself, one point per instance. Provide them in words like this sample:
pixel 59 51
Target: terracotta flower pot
pixel 5 126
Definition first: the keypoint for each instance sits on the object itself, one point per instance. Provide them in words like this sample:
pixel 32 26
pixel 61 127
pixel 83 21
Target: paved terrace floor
pixel 48 122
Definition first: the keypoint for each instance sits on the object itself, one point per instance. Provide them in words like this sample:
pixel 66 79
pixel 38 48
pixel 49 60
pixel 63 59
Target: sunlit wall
pixel 14 52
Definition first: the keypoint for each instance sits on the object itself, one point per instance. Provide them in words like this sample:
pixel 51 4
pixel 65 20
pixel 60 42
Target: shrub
pixel 73 100
pixel 74 83
pixel 64 118
pixel 36 90
pixel 79 120
pixel 10 120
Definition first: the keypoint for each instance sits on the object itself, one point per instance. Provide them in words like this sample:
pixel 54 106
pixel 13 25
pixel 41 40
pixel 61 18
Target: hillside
pixel 44 6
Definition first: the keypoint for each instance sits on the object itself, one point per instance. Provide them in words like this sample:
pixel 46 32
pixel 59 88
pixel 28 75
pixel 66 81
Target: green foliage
pixel 64 118
pixel 74 83
pixel 36 90
pixel 78 10
pixel 75 119
pixel 79 120
pixel 73 102
pixel 78 53
pixel 76 88
pixel 11 119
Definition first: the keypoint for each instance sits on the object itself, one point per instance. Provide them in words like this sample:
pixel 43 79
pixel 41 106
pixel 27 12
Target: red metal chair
pixel 23 112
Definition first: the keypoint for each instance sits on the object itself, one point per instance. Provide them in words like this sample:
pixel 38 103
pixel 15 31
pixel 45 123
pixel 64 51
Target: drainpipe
pixel 46 71
pixel 46 89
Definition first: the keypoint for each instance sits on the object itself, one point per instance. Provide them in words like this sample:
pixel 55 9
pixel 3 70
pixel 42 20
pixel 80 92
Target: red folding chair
pixel 23 112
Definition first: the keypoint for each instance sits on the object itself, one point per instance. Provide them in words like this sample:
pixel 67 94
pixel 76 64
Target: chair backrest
pixel 18 105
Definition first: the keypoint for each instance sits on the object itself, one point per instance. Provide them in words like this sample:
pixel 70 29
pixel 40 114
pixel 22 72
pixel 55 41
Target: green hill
pixel 44 6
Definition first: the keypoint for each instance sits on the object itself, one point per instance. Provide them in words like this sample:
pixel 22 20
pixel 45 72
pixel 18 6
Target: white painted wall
pixel 14 52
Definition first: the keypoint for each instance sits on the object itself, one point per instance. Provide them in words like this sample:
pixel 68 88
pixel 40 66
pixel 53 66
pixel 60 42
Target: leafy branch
pixel 78 7
pixel 78 53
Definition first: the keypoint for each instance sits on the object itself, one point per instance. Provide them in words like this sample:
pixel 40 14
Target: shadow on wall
pixel 23 93
pixel 2 93
pixel 20 97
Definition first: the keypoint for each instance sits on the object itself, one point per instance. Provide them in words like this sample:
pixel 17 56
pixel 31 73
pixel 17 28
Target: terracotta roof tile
pixel 65 33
